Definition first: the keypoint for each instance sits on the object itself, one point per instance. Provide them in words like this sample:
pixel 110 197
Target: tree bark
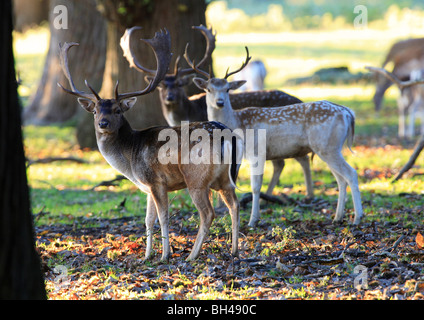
pixel 177 17
pixel 29 13
pixel 20 272
pixel 87 27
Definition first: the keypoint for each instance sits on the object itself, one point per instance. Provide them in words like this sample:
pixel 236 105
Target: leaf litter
pixel 296 258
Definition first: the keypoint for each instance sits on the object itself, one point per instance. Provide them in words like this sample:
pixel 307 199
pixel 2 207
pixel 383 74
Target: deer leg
pixel 402 119
pixel 278 166
pixel 200 199
pixel 160 198
pixel 341 201
pixel 229 197
pixel 305 163
pixel 151 216
pixel 256 184
pixel 412 112
pixel 338 165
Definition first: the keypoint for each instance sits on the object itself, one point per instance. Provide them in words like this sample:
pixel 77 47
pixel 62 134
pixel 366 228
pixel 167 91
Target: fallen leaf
pixel 419 240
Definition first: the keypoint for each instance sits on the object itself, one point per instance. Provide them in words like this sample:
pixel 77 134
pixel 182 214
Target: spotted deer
pixel 177 107
pixel 411 100
pixel 321 127
pixel 137 155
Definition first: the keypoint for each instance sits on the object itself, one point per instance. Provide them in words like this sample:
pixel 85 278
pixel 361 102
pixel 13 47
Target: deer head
pixel 171 88
pixel 217 89
pixel 108 116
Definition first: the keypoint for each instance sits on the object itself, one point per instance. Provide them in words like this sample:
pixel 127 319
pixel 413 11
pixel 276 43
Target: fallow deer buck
pixel 321 127
pixel 410 101
pixel 137 155
pixel 177 107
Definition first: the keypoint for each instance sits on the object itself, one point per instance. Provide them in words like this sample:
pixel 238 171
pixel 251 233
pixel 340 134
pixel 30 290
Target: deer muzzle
pixel 103 124
pixel 220 102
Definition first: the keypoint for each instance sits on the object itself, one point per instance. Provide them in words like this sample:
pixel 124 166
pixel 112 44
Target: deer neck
pixel 224 115
pixel 116 148
pixel 177 111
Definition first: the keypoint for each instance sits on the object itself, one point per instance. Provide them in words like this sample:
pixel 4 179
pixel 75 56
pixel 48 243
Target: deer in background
pixel 410 101
pixel 136 155
pixel 177 107
pixel 291 131
pixel 406 55
pixel 254 74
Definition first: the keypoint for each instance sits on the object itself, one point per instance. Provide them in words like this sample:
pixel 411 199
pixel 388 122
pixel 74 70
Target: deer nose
pixel 220 102
pixel 103 124
pixel 170 97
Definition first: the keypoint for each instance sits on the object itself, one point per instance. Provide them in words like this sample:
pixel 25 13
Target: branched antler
pixel 227 75
pixel 161 45
pixel 63 57
pixel 177 72
pixel 401 84
pixel 193 65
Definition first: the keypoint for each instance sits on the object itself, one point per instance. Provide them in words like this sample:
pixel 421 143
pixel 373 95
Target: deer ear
pixel 200 83
pixel 127 104
pixel 88 105
pixel 236 84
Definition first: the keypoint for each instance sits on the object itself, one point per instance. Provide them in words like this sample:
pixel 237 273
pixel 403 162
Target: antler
pixel 193 65
pixel 227 75
pixel 129 55
pixel 210 37
pixel 161 45
pixel 393 78
pixel 63 57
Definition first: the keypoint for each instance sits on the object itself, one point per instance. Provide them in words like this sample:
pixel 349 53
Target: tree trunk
pixel 87 27
pixel 29 13
pixel 177 17
pixel 20 273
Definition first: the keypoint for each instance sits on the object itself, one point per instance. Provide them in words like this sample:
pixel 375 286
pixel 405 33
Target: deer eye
pixel 94 111
pixel 118 111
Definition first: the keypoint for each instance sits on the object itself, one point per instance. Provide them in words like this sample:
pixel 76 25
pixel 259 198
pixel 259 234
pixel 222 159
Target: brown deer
pixel 406 55
pixel 291 131
pixel 177 107
pixel 139 155
pixel 410 101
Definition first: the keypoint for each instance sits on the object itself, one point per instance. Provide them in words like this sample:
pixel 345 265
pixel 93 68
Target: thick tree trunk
pixel 30 13
pixel 87 27
pixel 177 17
pixel 20 273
